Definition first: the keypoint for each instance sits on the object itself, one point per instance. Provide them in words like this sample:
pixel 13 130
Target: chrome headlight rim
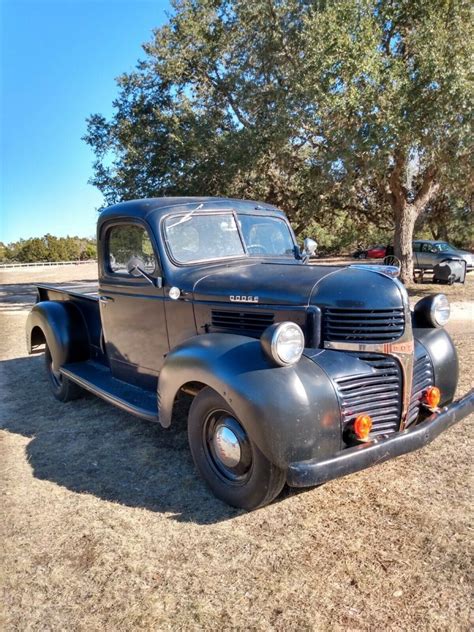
pixel 440 304
pixel 271 339
pixel 429 311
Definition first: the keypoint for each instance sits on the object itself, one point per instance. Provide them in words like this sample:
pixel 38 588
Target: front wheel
pixel 63 389
pixel 228 460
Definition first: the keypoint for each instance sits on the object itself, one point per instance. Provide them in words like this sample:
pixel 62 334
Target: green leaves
pixel 310 105
pixel 49 248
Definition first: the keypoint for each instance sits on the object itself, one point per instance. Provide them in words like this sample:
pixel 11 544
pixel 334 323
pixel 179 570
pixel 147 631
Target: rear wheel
pixel 62 388
pixel 228 460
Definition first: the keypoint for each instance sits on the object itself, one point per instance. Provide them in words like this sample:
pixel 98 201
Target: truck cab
pixel 299 373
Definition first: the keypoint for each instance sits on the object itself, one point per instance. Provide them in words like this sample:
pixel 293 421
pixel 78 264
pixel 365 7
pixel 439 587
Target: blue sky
pixel 58 62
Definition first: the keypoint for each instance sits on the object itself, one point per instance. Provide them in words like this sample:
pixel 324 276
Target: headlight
pixel 283 343
pixel 432 311
pixel 440 310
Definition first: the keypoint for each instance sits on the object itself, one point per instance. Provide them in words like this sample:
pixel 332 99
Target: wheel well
pixel 192 388
pixel 38 338
pixel 184 398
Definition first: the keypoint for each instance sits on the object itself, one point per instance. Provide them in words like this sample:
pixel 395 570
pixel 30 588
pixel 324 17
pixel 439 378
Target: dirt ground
pixel 106 526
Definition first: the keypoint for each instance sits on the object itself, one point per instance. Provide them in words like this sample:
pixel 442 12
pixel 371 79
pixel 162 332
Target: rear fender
pixel 291 413
pixel 61 326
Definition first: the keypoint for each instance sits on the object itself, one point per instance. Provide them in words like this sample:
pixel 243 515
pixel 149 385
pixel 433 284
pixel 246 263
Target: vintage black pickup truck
pixel 299 373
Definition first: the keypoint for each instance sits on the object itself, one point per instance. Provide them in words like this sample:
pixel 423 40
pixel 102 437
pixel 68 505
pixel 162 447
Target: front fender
pixel 63 329
pixel 291 413
pixel 444 359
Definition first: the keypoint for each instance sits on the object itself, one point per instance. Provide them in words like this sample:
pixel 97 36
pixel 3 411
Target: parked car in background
pixel 427 254
pixel 374 252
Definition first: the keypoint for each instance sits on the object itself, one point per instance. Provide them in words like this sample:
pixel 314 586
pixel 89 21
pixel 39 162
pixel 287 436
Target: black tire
pixel 62 388
pixel 252 482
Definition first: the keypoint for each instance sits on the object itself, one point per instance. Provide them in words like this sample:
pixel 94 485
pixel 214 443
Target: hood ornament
pixel 389 271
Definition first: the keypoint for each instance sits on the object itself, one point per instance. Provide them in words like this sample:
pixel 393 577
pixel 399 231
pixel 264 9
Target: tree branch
pixel 219 85
pixel 396 188
pixel 428 189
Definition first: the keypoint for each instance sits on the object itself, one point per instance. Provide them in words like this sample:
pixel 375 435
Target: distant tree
pixel 449 217
pixel 89 251
pixel 323 108
pixel 49 248
pixel 33 250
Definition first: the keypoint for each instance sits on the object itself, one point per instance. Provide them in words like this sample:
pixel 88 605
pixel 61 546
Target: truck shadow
pixel 89 447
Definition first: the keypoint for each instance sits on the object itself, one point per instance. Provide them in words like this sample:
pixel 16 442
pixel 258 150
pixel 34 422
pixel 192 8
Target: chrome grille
pixel 422 378
pixel 252 323
pixel 363 325
pixel 377 393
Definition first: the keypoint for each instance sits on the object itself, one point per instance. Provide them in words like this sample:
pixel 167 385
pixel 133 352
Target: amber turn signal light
pixel 362 426
pixel 432 397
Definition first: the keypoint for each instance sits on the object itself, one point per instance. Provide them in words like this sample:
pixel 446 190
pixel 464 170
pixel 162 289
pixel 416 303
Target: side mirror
pixel 309 246
pixel 135 268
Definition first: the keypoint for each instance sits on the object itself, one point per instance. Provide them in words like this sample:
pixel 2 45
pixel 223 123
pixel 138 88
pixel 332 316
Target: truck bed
pixel 78 290
pixel 84 295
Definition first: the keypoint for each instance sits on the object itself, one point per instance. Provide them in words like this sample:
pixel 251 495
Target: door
pixel 417 255
pixel 132 309
pixel 427 256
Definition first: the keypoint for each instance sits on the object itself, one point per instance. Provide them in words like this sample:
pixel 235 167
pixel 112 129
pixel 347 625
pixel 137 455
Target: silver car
pixel 427 254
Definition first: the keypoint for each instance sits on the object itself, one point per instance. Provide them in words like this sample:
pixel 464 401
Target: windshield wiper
pixel 187 217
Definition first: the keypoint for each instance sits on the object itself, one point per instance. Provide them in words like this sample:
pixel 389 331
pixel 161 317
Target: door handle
pixel 106 299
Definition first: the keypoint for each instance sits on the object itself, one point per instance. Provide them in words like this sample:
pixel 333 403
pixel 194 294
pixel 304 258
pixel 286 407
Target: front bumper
pixel 313 472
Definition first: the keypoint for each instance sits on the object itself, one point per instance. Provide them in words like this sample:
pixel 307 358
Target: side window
pixel 125 241
pixel 416 246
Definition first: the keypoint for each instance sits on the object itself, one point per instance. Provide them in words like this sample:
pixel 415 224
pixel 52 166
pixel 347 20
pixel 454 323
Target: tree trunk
pixel 406 213
pixel 405 217
pixel 440 231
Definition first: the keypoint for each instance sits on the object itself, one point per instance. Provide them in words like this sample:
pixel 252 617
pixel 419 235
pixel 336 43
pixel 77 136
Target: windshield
pixel 206 237
pixel 442 246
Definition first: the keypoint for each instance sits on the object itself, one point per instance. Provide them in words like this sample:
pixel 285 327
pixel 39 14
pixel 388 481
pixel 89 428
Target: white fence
pixel 41 264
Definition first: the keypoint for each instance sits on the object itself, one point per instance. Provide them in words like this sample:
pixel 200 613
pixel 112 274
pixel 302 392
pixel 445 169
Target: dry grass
pixel 106 525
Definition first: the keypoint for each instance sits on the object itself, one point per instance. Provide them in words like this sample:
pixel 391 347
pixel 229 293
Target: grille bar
pixel 422 378
pixel 377 393
pixel 366 325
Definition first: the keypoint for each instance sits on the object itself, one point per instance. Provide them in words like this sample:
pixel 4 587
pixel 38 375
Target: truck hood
pixel 297 284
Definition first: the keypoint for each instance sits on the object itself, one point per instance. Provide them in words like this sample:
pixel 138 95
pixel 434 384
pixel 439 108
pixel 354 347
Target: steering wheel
pixel 258 248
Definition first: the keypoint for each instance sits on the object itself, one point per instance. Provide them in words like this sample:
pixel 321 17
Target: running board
pixel 97 379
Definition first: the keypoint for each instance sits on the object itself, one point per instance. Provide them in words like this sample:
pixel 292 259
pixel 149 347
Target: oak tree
pixel 359 107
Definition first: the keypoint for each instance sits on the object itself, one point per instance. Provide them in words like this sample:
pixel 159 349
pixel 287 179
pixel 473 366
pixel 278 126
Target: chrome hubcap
pixel 226 446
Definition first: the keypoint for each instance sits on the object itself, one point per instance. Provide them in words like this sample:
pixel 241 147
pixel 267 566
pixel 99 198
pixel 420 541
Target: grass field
pixel 106 526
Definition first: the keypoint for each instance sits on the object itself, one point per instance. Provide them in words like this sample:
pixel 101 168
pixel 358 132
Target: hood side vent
pixel 250 323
